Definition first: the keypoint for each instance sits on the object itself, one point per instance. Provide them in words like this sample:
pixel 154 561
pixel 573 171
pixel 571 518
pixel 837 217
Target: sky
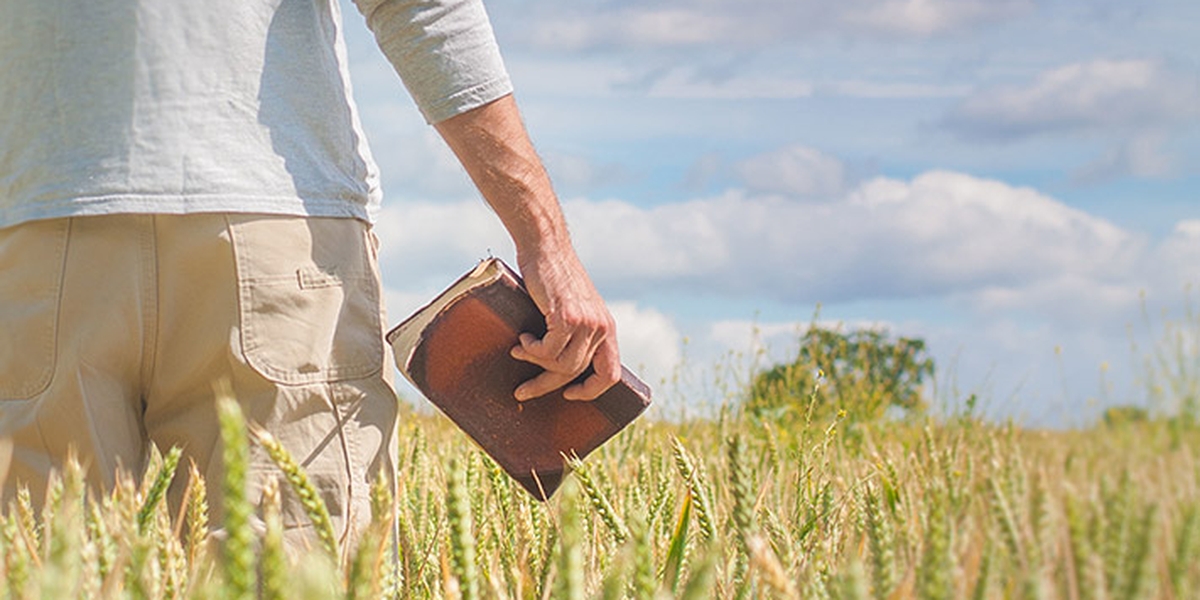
pixel 1015 181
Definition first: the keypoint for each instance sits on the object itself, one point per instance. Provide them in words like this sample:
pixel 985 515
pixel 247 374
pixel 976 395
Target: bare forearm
pixel 494 148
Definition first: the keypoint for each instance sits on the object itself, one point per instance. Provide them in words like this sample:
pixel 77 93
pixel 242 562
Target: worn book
pixel 455 350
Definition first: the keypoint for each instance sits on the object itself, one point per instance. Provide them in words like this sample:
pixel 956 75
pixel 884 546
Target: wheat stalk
pixel 599 501
pixel 196 511
pixel 569 582
pixel 642 581
pixel 298 479
pixel 1139 555
pixel 882 542
pixel 462 538
pixel 272 562
pixel 162 479
pixel 1186 540
pixel 742 515
pixel 237 556
pixel 695 484
pixel 936 578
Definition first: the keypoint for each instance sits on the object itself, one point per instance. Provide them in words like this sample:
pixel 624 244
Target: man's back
pixel 170 107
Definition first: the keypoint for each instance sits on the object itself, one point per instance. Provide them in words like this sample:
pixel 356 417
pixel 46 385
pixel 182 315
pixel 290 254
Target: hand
pixel 579 330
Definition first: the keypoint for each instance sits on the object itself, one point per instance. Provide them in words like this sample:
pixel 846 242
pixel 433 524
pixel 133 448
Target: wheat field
pixel 728 507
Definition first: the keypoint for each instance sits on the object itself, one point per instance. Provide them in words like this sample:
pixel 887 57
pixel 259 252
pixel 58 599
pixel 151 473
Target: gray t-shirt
pixel 170 106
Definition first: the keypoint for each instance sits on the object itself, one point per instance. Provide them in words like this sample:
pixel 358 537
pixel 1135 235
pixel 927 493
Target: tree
pixel 1125 415
pixel 864 372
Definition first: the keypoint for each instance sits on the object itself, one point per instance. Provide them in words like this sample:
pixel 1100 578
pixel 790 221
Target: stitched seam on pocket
pixel 253 339
pixel 310 278
pixel 47 342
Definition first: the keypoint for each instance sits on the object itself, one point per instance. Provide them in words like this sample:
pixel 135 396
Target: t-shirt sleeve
pixel 443 50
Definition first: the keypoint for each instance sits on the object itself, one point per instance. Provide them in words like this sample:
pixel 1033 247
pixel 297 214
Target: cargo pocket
pixel 308 298
pixel 32 258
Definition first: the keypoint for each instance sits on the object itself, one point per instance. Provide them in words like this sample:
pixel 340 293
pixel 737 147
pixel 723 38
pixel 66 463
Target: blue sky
pixel 1012 180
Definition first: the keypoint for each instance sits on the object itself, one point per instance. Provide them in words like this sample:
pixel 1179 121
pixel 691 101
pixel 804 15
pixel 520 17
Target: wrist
pixel 542 235
pixel 545 248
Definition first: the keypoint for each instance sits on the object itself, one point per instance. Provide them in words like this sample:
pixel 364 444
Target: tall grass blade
pixel 673 565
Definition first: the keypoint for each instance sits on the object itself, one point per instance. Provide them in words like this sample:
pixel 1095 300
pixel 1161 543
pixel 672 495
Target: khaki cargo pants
pixel 114 329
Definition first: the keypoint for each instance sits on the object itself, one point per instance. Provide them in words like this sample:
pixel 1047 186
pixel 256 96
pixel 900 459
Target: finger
pixel 522 351
pixel 543 384
pixel 574 358
pixel 550 345
pixel 607 365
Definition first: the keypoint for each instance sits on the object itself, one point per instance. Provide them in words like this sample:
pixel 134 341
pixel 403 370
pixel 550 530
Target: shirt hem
pixel 178 205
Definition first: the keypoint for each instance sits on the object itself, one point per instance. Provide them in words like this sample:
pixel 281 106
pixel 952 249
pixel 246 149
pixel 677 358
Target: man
pixel 186 198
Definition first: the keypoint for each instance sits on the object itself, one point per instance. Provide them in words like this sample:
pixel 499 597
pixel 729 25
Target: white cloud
pixel 648 339
pixel 673 26
pixel 735 23
pixel 921 18
pixel 864 88
pixel 683 85
pixel 1177 260
pixel 547 75
pixel 583 28
pixel 795 171
pixel 426 245
pixel 1070 300
pixel 1139 156
pixel 776 339
pixel 1087 97
pixel 572 171
pixel 705 170
pixel 620 241
pixel 1188 229
pixel 941 232
pixel 402 303
pixel 415 162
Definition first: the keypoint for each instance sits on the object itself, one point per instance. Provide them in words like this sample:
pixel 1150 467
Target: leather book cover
pixel 455 350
